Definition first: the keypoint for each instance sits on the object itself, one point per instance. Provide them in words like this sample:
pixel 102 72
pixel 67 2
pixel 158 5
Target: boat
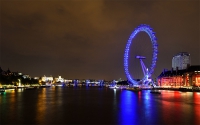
pixel 2 90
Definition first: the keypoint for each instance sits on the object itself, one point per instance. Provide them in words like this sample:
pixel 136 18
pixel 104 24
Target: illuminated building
pixel 59 79
pixel 181 61
pixel 47 79
pixel 36 78
pixel 179 78
pixel 26 76
pixel 193 75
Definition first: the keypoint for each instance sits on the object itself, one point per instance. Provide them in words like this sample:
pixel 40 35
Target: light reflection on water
pixel 58 105
pixel 41 106
pixel 196 100
pixel 128 107
pixel 179 107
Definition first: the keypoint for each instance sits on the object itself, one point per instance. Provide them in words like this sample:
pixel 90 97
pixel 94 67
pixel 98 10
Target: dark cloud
pixel 87 38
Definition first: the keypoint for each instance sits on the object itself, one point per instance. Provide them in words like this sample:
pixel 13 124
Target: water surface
pixel 94 105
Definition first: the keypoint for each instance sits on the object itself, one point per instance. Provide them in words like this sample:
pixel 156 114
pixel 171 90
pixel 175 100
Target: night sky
pixel 86 39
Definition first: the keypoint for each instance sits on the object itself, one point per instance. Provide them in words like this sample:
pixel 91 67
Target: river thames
pixel 94 105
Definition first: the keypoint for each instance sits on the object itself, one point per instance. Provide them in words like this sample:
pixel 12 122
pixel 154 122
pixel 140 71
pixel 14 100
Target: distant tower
pixel 181 61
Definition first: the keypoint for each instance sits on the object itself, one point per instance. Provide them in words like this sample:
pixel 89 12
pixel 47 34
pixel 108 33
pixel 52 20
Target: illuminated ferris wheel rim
pixel 149 31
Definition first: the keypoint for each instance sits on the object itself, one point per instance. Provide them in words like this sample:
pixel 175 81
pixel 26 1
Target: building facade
pixel 59 79
pixel 181 61
pixel 180 78
pixel 47 79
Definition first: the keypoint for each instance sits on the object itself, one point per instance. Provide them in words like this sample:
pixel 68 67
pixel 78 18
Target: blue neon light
pixel 149 31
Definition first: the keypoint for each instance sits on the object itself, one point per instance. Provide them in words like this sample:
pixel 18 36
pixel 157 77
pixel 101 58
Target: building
pixel 37 78
pixel 26 76
pixel 59 79
pixel 180 78
pixel 193 75
pixel 181 61
pixel 47 79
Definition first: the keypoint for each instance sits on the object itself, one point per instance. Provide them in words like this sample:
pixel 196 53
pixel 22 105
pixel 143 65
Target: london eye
pixel 147 70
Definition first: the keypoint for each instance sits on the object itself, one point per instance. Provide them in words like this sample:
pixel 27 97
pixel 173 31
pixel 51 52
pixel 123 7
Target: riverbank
pixel 182 89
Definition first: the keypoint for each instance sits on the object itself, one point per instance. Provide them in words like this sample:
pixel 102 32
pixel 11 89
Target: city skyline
pixel 87 39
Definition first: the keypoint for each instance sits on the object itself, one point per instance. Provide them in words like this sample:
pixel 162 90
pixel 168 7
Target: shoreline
pixel 181 89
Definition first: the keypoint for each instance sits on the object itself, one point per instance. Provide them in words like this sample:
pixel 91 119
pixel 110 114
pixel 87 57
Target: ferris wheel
pixel 147 71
